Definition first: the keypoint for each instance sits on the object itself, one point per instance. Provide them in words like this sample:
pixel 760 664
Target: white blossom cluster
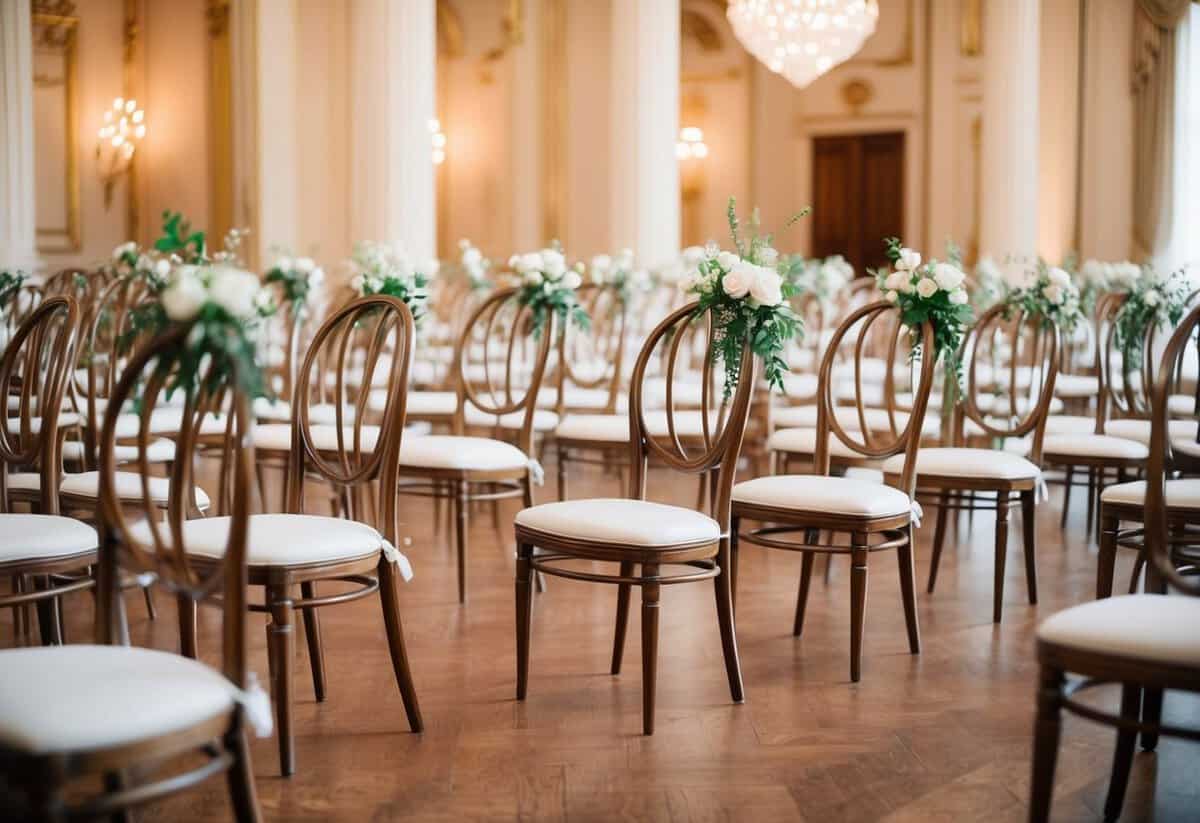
pixel 910 276
pixel 548 268
pixel 128 259
pixel 739 279
pixel 1106 276
pixel 473 262
pixel 375 263
pixel 190 287
pixel 617 270
pixel 1059 290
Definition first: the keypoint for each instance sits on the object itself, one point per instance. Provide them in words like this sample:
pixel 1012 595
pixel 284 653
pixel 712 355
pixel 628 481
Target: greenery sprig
pixel 620 272
pixel 10 283
pixel 298 279
pixel 1153 301
pixel 1052 296
pixel 548 286
pixel 380 269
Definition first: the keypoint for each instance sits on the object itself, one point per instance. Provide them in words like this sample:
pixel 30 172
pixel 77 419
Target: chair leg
pixel 722 587
pixel 908 593
pixel 735 523
pixel 1029 541
pixel 461 507
pixel 148 596
pixel 188 645
pixel 650 595
pixel 562 473
pixel 1152 702
pixel 240 779
pixel 524 598
pixel 1068 478
pixel 261 473
pixel 939 539
pixel 858 602
pixel 312 633
pixel 1138 565
pixel 282 643
pixel 807 559
pixel 1107 560
pixel 390 598
pixel 1045 743
pixel 1131 704
pixel 1001 555
pixel 47 614
pixel 1091 501
pixel 623 592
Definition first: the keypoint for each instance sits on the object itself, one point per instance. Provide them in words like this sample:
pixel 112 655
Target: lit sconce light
pixel 438 139
pixel 117 141
pixel 691 144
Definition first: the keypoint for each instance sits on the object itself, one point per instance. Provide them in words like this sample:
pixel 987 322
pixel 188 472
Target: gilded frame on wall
pixel 55 91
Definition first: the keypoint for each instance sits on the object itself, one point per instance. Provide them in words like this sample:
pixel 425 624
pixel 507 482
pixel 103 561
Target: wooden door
pixel 858 196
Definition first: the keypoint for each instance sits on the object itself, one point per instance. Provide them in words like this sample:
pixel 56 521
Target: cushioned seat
pixel 1093 445
pixel 543 419
pixel 418 403
pixel 1181 405
pixel 1183 493
pixel 128 486
pixel 36 536
pixel 621 522
pixel 80 698
pixel 804 441
pixel 987 464
pixel 1186 445
pixel 1076 385
pixel 827 495
pixel 1150 627
pixel 160 450
pixel 165 421
pixel 577 397
pixel 65 421
pixel 281 412
pixel 447 451
pixel 1070 424
pixel 799 385
pixel 1139 430
pixel 278 437
pixel 609 428
pixel 805 417
pixel 280 539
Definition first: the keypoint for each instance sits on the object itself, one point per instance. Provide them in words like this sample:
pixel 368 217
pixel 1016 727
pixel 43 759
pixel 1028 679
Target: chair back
pixel 34 369
pixel 1162 541
pixel 722 420
pixel 1012 358
pixel 499 363
pixel 908 353
pixel 135 535
pixel 594 359
pixel 374 336
pixel 1123 387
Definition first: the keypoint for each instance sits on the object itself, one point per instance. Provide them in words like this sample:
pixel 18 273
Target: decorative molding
pixel 977 194
pixel 55 31
pixel 970 42
pixel 513 28
pixel 907 49
pixel 730 75
pixel 554 120
pixel 698 28
pixel 449 31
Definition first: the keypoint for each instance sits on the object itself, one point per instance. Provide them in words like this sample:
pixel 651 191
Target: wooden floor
pixel 941 736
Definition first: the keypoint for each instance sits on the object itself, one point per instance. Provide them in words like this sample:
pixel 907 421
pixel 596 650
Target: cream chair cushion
pixel 447 451
pixel 418 403
pixel 128 487
pixel 1155 628
pixel 614 428
pixel 80 698
pixel 1093 445
pixel 805 417
pixel 65 420
pixel 1139 430
pixel 1186 445
pixel 621 522
pixel 281 411
pixel 37 536
pixel 278 437
pixel 165 421
pixel 159 450
pixel 826 495
pixel 1183 493
pixel 1070 424
pixel 1181 405
pixel 543 419
pixel 278 539
pixel 804 441
pixel 987 464
pixel 1076 385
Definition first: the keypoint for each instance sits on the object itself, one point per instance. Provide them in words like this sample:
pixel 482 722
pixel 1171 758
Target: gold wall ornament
pixel 55 59
pixel 217 14
pixel 512 27
pixel 971 36
pixel 117 142
pixel 856 93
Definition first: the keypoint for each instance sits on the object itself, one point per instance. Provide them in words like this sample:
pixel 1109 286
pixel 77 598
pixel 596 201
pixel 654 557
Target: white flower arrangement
pixel 300 280
pixel 547 285
pixel 380 269
pixel 1153 300
pixel 474 265
pixel 620 272
pixel 1052 295
pixel 823 278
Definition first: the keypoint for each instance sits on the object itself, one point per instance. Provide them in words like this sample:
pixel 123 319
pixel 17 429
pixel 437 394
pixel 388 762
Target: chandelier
pixel 802 39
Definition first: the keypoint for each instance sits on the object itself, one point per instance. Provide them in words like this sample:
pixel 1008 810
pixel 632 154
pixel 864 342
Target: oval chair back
pixel 870 331
pixel 35 368
pixel 594 359
pixel 722 420
pixel 1012 356
pixel 1123 387
pixel 373 335
pixel 499 363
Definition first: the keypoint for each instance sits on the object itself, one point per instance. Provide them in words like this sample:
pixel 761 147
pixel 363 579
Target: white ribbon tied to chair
pixel 536 473
pixel 1041 492
pixel 394 555
pixel 256 704
pixel 915 513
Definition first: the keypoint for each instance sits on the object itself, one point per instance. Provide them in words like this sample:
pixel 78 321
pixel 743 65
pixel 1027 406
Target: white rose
pixel 908 260
pixel 727 260
pixel 572 280
pixel 601 263
pixel 1151 298
pixel 357 283
pixel 284 264
pixel 1053 293
pixel 144 263
pixel 471 256
pixel 769 256
pixel 692 255
pixel 737 282
pixel 514 262
pixel 162 268
pixel 958 297
pixel 403 268
pixel 185 294
pixel 530 262
pixel 304 265
pixel 316 277
pixel 553 259
pixel 892 296
pixel 898 281
pixel 1059 277
pixel 767 289
pixel 555 267
pixel 927 287
pixel 947 276
pixel 234 290
pixel 533 278
pixel 124 249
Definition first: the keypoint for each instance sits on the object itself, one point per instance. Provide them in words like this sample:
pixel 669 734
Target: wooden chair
pixel 44 555
pixel 1009 399
pixel 877 517
pixel 634 532
pixel 499 374
pixel 298 550
pixel 1146 642
pixel 138 719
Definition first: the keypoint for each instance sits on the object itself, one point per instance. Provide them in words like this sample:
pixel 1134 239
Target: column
pixel 18 248
pixel 1010 129
pixel 394 59
pixel 645 206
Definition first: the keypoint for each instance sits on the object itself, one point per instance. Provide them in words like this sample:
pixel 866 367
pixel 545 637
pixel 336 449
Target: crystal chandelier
pixel 803 39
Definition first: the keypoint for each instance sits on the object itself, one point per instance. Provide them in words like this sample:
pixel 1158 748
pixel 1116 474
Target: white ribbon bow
pixel 536 472
pixel 145 579
pixel 256 703
pixel 916 513
pixel 1041 491
pixel 393 555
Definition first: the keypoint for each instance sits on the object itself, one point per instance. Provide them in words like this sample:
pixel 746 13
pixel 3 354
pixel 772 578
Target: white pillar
pixel 394 59
pixel 645 206
pixel 1010 128
pixel 18 246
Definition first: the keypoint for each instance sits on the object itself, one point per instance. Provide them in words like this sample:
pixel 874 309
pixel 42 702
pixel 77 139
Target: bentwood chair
pixel 298 550
pixel 1012 360
pixel 639 534
pixel 877 517
pixel 140 722
pixel 44 555
pixel 1147 643
pixel 499 368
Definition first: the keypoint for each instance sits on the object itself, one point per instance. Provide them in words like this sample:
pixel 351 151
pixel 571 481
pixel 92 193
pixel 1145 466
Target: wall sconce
pixel 691 151
pixel 116 142
pixel 439 141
